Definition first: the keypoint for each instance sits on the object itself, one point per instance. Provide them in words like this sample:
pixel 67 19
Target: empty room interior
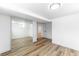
pixel 39 29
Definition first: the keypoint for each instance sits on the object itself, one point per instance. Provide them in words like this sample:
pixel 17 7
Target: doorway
pixel 22 33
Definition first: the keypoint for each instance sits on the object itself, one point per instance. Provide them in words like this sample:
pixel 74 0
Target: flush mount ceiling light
pixel 54 5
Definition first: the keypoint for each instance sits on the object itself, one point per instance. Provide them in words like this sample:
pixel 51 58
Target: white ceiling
pixel 43 10
pixel 39 11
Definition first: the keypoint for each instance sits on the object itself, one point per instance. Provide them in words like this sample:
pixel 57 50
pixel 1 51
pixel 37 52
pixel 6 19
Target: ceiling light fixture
pixel 55 5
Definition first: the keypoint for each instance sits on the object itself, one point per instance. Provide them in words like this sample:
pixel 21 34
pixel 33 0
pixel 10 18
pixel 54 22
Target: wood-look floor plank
pixel 31 48
pixel 36 53
pixel 51 50
pixel 43 47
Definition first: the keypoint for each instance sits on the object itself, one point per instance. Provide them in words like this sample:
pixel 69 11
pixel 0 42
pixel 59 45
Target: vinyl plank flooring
pixel 43 47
